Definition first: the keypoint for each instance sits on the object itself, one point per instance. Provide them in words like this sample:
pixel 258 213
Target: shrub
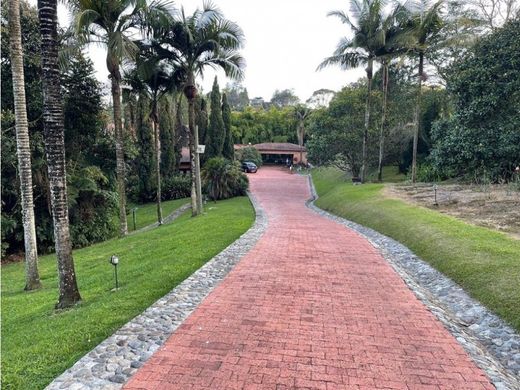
pixel 249 153
pixel 176 187
pixel 223 179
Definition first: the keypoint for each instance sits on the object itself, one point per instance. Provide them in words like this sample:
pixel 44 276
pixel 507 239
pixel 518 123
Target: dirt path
pixel 312 306
pixel 493 206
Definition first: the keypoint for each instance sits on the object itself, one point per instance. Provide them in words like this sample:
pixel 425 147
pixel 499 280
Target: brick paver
pixel 312 306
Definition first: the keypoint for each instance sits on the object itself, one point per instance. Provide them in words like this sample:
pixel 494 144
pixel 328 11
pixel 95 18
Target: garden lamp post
pixel 114 260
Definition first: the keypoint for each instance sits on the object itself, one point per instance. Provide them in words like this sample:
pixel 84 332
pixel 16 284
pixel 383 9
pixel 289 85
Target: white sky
pixel 285 42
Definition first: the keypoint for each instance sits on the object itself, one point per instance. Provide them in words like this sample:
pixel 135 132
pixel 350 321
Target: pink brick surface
pixel 312 306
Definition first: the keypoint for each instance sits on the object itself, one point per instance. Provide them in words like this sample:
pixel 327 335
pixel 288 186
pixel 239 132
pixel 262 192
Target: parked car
pixel 249 167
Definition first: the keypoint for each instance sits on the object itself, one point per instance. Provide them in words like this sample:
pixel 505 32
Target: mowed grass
pixel 484 262
pixel 146 214
pixel 39 343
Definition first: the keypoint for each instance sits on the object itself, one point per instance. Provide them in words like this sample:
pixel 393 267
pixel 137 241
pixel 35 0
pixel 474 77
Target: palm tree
pixel 301 112
pixel 192 44
pixel 112 23
pixel 388 50
pixel 362 49
pixel 153 78
pixel 53 126
pixel 23 148
pixel 423 24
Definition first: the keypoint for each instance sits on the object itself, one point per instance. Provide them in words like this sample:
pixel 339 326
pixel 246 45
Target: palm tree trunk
pixel 55 151
pixel 193 151
pixel 120 152
pixel 383 122
pixel 364 165
pixel 155 124
pixel 23 149
pixel 196 190
pixel 417 119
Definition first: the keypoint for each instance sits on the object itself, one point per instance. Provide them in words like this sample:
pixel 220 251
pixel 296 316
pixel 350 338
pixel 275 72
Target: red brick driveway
pixel 312 306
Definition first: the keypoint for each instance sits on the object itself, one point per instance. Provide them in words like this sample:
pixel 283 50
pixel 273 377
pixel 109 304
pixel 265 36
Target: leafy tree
pixel 284 98
pixel 301 112
pixel 320 98
pixel 145 160
pixel 482 137
pixel 111 23
pixel 53 125
pixel 228 150
pixel 192 44
pixel 366 22
pixel 237 96
pixel 249 153
pixel 336 133
pixel 216 134
pixel 23 150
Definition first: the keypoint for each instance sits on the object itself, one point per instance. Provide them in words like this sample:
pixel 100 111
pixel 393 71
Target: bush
pixel 249 153
pixel 223 179
pixel 176 187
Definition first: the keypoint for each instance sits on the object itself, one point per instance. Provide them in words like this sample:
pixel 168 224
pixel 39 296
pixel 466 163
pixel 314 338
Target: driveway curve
pixel 312 306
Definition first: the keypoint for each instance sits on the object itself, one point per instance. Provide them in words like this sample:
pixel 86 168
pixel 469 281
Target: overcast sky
pixel 285 42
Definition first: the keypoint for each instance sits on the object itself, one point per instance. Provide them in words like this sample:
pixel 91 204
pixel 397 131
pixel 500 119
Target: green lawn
pixel 39 343
pixel 146 214
pixel 484 262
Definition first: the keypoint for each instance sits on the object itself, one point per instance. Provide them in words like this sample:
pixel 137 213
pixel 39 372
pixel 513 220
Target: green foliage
pixel 336 132
pixel 167 137
pixel 249 153
pixel 228 150
pixel 223 179
pixel 201 117
pixel 89 152
pixel 237 96
pixel 216 133
pixel 484 262
pixel 284 98
pixel 176 187
pixel 483 137
pixel 39 343
pixel 257 125
pixel 145 160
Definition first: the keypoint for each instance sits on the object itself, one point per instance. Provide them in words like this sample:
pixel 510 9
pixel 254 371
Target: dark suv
pixel 249 167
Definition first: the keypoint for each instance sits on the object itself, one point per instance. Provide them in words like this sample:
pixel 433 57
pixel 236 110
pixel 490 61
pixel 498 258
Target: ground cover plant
pixel 484 262
pixel 39 343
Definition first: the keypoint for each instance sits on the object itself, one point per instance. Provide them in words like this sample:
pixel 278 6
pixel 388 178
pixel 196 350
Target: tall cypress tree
pixel 145 158
pixel 168 163
pixel 201 114
pixel 216 132
pixel 228 150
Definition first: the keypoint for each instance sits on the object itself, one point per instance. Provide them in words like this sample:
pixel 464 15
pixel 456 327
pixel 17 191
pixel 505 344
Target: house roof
pixel 279 146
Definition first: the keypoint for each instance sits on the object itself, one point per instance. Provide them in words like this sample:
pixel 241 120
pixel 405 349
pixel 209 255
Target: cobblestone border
pixel 115 360
pixel 491 343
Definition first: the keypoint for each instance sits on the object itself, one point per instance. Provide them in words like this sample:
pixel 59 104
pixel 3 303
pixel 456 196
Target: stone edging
pixel 111 364
pixel 491 343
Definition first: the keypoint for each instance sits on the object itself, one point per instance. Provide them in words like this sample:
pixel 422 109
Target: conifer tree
pixel 228 149
pixel 216 133
pixel 166 129
pixel 145 158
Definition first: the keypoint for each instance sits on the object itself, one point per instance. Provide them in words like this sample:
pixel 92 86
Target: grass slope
pixel 484 262
pixel 39 343
pixel 146 214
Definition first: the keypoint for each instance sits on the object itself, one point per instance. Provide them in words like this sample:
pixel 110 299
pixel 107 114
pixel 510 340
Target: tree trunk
pixel 155 124
pixel 55 151
pixel 383 122
pixel 364 165
pixel 196 190
pixel 120 152
pixel 23 149
pixel 417 119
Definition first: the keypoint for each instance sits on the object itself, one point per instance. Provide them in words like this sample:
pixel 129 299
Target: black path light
pixel 133 216
pixel 114 260
pixel 435 195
